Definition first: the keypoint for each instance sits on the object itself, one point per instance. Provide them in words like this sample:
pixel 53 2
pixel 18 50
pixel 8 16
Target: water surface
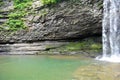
pixel 56 68
pixel 39 67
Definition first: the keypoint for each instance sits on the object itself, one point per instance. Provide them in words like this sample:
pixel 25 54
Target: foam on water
pixel 112 58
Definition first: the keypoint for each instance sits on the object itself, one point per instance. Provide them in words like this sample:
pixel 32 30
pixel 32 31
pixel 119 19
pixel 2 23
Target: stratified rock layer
pixel 69 19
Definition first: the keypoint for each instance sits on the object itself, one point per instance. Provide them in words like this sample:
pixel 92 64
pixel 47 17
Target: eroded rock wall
pixel 69 19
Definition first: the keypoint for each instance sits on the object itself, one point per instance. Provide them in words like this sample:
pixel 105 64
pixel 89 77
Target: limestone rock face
pixel 69 19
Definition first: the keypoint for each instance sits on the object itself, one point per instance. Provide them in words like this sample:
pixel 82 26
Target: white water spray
pixel 111 31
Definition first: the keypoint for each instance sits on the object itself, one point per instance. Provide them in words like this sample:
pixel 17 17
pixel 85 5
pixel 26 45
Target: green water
pixel 39 67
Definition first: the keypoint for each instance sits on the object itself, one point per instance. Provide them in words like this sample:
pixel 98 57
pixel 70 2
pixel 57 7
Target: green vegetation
pixel 83 45
pixel 1 15
pixel 16 2
pixel 16 24
pixel 47 2
pixel 22 4
pixel 17 14
pixel 16 21
pixel 21 9
pixel 1 3
pixel 87 47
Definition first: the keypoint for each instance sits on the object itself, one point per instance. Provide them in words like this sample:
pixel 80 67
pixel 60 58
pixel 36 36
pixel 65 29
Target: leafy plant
pixel 16 15
pixel 46 2
pixel 15 24
pixel 22 5
pixel 16 2
pixel 15 21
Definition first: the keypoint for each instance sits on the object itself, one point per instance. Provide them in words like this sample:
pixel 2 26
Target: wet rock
pixel 29 48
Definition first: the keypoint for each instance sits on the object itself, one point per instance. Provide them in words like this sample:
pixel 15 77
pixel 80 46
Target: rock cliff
pixel 68 19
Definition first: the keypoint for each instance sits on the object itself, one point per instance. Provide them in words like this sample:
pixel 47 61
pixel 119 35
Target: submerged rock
pixel 98 71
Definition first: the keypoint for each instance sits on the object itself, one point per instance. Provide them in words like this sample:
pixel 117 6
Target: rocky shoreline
pixel 46 48
pixel 28 48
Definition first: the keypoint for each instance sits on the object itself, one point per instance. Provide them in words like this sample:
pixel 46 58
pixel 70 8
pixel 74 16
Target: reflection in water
pixel 104 71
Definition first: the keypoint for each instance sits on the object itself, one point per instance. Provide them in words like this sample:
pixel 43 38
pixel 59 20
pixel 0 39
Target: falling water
pixel 111 31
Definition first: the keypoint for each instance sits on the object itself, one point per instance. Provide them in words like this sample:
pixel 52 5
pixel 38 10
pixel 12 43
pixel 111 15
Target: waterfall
pixel 111 31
